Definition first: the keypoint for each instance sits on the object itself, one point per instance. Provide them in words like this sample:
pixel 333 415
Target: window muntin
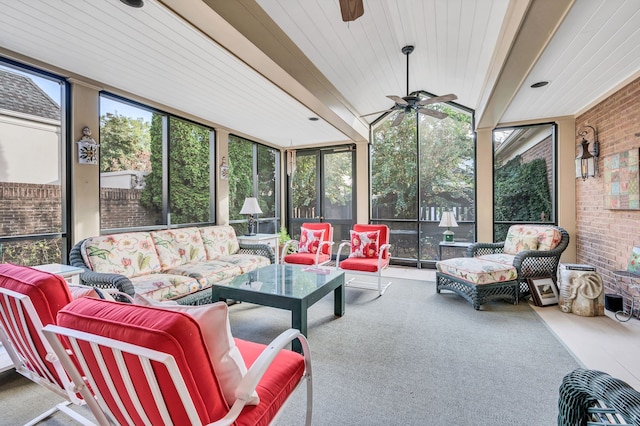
pixel 524 176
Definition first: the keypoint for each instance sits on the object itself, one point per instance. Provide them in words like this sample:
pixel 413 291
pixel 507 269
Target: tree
pixel 124 143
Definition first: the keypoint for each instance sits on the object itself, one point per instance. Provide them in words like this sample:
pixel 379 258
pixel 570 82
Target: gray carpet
pixel 413 357
pixel 410 357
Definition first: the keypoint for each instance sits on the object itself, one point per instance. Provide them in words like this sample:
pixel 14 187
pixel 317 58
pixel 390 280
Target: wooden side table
pixel 272 240
pixel 71 274
pixel 460 248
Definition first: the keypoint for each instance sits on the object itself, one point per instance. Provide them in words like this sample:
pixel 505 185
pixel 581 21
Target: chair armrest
pixel 250 381
pixel 478 249
pixel 258 250
pixel 320 246
pixel 342 244
pixel 287 246
pixel 107 281
pixel 536 263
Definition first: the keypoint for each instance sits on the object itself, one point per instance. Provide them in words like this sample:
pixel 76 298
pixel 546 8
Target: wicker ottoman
pixel 478 280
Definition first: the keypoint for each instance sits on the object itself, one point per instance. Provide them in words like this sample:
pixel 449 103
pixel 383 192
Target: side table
pixel 457 247
pixel 272 240
pixel 71 274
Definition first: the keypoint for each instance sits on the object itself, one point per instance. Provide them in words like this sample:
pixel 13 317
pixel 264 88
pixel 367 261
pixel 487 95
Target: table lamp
pixel 251 207
pixel 448 220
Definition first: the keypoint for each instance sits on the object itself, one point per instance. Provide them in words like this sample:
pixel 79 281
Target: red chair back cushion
pixel 383 237
pixel 48 293
pixel 174 333
pixel 328 234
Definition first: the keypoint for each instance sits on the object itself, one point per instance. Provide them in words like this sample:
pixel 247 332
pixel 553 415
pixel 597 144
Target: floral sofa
pixel 500 270
pixel 172 264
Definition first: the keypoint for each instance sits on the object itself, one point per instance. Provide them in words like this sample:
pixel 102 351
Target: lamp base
pixel 447 236
pixel 250 234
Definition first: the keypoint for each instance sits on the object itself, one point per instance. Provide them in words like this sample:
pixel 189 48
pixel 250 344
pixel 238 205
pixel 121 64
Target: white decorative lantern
pixel 87 148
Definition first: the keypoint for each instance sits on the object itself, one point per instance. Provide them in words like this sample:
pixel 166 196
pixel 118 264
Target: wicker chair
pixel 591 397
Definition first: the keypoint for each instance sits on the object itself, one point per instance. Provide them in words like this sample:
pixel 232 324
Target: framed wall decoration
pixel 543 291
pixel 87 148
pixel 622 180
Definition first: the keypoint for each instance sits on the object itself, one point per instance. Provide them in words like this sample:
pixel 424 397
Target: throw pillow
pixel 634 261
pixel 225 355
pixel 309 240
pixel 514 244
pixel 364 244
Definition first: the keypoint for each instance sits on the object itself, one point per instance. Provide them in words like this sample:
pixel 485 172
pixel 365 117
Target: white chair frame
pixel 353 282
pixel 20 346
pixel 145 356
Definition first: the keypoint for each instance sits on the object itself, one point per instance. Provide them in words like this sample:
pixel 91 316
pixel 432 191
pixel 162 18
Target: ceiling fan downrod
pixel 407 51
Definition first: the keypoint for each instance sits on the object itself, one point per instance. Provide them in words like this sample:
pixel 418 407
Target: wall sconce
pixel 251 207
pixel 448 220
pixel 224 169
pixel 87 148
pixel 587 160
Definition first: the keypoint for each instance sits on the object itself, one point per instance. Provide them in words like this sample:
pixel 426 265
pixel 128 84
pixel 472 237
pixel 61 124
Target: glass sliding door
pixel 321 190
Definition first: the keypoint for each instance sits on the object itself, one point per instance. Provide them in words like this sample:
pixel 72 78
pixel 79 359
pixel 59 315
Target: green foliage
pixel 445 149
pixel 283 235
pixel 31 253
pixel 124 143
pixel 521 191
pixel 189 171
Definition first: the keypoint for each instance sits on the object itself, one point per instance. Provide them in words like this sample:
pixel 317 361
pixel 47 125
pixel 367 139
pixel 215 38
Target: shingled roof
pixel 20 94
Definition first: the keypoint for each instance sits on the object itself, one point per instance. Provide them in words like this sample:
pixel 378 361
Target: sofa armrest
pixel 258 250
pixel 479 249
pixel 99 279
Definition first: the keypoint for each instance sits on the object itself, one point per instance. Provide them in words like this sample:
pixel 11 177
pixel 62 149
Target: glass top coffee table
pixel 291 287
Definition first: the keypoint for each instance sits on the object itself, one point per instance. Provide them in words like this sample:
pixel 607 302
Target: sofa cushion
pixel 476 270
pixel 362 264
pixel 131 254
pixel 309 240
pixel 174 333
pixel 219 241
pixel 548 237
pixel 165 286
pixel 506 259
pixel 246 262
pixel 364 244
pixel 514 244
pixel 178 247
pixel 207 272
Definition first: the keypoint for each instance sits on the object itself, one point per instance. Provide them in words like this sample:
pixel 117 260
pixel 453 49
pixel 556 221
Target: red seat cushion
pixel 362 264
pixel 48 293
pixel 305 258
pixel 278 382
pixel 174 333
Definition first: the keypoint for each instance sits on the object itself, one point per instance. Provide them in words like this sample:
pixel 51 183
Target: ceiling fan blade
pixel 398 100
pixel 351 9
pixel 443 98
pixel 378 112
pixel 433 113
pixel 398 119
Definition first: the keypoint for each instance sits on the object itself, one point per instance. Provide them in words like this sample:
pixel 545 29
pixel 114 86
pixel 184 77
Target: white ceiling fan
pixel 413 102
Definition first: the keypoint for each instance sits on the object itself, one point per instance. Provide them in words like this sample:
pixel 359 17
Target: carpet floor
pixel 414 357
pixel 410 357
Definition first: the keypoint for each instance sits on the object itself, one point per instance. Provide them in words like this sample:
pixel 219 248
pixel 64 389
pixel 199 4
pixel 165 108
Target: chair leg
pixel 64 408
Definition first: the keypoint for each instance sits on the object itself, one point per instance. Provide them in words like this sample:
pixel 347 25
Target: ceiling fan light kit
pixel 412 102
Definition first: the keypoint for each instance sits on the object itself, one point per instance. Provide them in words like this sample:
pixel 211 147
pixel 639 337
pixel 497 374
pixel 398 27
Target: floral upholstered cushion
pixel 506 259
pixel 476 270
pixel 548 237
pixel 165 286
pixel 219 241
pixel 364 244
pixel 246 262
pixel 207 272
pixel 514 244
pixel 130 254
pixel 178 247
pixel 309 240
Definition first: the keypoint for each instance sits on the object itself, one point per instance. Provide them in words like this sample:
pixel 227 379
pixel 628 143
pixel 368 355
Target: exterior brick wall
pixel 121 208
pixel 605 237
pixel 30 208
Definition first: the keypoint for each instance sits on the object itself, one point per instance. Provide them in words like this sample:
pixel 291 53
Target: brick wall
pixel 121 208
pixel 605 237
pixel 29 208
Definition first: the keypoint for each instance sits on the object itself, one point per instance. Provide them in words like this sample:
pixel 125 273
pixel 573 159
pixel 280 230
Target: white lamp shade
pixel 448 220
pixel 250 206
